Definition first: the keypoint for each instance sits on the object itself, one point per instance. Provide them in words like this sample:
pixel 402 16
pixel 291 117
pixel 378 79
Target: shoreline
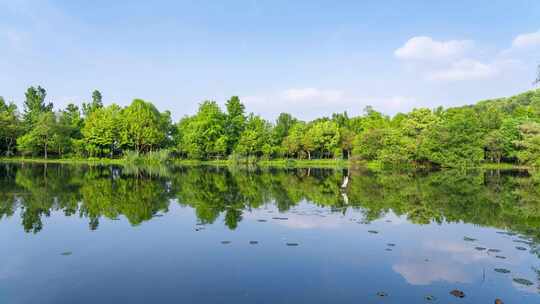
pixel 275 163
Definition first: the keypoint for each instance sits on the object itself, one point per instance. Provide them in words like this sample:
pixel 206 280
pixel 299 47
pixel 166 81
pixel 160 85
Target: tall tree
pixel 34 105
pixel 529 145
pixel 142 127
pixel 284 123
pixel 255 139
pixel 10 127
pixel 97 103
pixel 40 138
pixel 198 135
pixel 101 131
pixel 234 122
pixel 456 139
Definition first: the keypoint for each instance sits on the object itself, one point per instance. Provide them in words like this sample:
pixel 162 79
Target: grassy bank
pixel 274 163
pixel 82 161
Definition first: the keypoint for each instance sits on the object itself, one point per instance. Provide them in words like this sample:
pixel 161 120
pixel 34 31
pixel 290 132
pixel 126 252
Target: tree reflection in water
pixel 507 200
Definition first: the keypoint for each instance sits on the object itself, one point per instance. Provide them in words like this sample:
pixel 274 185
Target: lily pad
pixel 468 239
pixel 501 270
pixel 523 242
pixel 292 244
pixel 457 293
pixel 388 249
pixel 382 294
pixel 225 242
pixel 253 242
pixel 500 257
pixel 373 231
pixel 494 250
pixel 521 248
pixel 391 244
pixel 65 253
pixel 280 218
pixel 480 248
pixel 430 298
pixel 523 281
pixel 261 221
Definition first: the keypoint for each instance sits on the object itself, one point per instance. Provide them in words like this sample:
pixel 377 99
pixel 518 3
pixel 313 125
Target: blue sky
pixel 309 58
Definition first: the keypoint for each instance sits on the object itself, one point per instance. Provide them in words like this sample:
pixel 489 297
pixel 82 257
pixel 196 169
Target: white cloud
pixel 425 48
pixel 460 60
pixel 312 94
pixel 527 40
pixel 448 262
pixel 465 69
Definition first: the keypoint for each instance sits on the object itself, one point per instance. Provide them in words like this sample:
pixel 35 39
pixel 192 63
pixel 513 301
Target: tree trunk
pixel 45 150
pixel 308 155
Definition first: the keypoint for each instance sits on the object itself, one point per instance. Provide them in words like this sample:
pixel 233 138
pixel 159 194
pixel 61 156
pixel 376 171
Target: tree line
pixel 497 130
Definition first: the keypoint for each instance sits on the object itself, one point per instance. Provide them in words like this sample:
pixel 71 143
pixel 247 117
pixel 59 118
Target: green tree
pixel 197 135
pixel 10 127
pixel 235 121
pixel 456 139
pixel 322 138
pixel 34 106
pixel 284 123
pixel 97 103
pixel 101 131
pixel 529 145
pixel 42 136
pixel 494 145
pixel 142 127
pixel 254 137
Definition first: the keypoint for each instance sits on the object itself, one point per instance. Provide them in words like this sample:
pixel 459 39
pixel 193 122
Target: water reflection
pixel 409 211
pixel 504 199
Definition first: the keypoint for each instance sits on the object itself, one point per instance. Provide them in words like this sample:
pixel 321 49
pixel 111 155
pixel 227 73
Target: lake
pixel 87 234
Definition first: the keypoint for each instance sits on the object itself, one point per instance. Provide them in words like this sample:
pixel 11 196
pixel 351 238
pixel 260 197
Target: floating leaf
pixel 457 293
pixel 382 294
pixel 430 298
pixel 523 281
pixel 501 270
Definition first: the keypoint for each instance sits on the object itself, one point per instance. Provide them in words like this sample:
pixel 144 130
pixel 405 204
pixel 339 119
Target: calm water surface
pixel 77 234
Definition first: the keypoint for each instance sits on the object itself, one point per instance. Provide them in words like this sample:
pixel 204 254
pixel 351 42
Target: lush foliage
pixel 499 130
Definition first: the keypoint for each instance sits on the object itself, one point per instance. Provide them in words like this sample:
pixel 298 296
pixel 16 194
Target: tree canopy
pixel 497 130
